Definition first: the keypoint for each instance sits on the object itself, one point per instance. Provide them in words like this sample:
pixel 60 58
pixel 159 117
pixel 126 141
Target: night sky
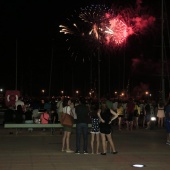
pixel 43 59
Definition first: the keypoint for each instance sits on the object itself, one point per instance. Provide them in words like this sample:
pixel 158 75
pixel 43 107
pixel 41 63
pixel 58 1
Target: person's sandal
pixel 114 152
pixel 69 151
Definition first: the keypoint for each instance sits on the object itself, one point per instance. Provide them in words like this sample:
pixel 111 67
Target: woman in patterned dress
pixel 95 128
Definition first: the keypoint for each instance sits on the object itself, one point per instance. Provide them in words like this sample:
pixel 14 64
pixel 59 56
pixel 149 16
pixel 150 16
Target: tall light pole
pixel 99 72
pixel 16 63
pixel 51 70
pixel 162 55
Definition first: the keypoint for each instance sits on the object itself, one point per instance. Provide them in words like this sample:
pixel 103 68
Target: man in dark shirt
pixel 147 112
pixel 82 112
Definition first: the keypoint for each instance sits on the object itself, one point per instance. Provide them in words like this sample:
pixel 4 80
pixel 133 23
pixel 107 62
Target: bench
pixel 34 125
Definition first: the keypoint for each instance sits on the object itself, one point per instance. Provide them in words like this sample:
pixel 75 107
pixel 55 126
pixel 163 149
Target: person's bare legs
pixel 97 143
pixel 127 124
pixel 131 125
pixel 148 125
pixel 68 140
pixel 136 122
pixel 103 138
pixel 109 138
pixel 161 122
pixel 63 140
pixel 143 121
pixel 92 143
pixel 120 122
pixel 168 137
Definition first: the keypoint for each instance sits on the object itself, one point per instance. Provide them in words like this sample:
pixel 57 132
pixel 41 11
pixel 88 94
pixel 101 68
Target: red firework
pixel 117 32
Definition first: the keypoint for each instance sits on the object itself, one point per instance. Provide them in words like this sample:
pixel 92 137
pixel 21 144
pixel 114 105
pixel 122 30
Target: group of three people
pixel 101 120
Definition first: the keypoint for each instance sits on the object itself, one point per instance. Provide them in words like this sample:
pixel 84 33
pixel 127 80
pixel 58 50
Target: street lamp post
pixel 99 72
pixel 162 76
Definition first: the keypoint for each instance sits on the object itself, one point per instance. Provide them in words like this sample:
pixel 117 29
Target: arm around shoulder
pixel 115 115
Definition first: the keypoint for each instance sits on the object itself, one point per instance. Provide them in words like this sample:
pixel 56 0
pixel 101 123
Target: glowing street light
pixel 43 91
pixel 146 92
pixel 122 94
pixel 77 93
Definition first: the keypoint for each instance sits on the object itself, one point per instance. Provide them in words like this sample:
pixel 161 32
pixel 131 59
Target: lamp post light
pixel 62 92
pixel 77 93
pixel 115 94
pixel 147 94
pixel 1 95
pixel 43 92
pixel 122 94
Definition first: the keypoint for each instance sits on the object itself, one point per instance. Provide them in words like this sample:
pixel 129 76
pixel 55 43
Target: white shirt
pixel 19 102
pixel 67 110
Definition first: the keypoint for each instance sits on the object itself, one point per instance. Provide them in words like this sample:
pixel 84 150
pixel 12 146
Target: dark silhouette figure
pixel 19 115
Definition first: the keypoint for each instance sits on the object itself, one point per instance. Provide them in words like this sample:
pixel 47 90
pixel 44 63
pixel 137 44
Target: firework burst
pixel 76 35
pixel 85 29
pixel 97 24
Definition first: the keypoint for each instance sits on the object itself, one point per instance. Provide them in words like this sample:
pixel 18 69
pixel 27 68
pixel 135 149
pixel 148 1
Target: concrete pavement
pixel 42 151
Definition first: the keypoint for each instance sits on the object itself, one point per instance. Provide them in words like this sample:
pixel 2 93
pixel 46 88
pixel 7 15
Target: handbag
pixel 67 120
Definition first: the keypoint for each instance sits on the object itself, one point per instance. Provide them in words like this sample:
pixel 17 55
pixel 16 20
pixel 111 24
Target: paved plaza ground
pixel 42 151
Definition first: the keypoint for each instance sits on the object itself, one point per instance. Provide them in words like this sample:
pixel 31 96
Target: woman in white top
pixel 67 130
pixel 160 114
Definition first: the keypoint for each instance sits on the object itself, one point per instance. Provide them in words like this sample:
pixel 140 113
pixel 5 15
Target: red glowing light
pixel 117 32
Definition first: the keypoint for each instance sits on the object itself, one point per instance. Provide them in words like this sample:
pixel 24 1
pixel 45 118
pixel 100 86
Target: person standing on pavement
pixel 136 114
pixel 130 114
pixel 120 115
pixel 67 130
pixel 147 112
pixel 160 114
pixel 95 132
pixel 106 117
pixel 82 112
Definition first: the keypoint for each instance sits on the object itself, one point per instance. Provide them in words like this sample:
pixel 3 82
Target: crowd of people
pixel 103 116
